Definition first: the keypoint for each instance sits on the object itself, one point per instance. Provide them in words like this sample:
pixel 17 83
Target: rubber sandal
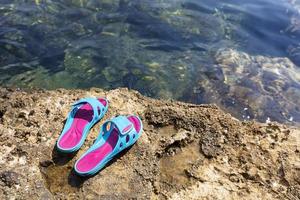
pixel 84 114
pixel 115 135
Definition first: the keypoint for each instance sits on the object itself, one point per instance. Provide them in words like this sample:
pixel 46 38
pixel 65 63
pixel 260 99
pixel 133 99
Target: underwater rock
pixel 187 151
pixel 294 9
pixel 294 31
pixel 259 87
pixel 294 54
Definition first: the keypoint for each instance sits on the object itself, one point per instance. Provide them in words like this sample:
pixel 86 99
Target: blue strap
pixel 96 105
pixel 122 124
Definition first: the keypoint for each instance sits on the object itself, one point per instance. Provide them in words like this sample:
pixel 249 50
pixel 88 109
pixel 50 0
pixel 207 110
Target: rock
pixel 253 87
pixel 23 114
pixel 210 144
pixel 9 178
pixel 187 151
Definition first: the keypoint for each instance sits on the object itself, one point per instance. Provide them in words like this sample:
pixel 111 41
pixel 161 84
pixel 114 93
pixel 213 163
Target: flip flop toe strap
pixel 98 107
pixel 126 131
pixel 123 125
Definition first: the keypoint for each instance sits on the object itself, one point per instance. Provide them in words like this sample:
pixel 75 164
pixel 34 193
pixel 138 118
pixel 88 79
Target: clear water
pixel 171 49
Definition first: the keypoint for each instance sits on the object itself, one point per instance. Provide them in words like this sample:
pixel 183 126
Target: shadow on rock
pixel 60 158
pixel 77 181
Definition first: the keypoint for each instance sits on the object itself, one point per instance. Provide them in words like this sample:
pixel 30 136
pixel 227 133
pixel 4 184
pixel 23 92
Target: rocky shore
pixel 186 151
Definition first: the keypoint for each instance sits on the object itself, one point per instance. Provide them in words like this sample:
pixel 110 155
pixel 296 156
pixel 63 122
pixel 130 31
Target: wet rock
pixel 258 87
pixel 294 53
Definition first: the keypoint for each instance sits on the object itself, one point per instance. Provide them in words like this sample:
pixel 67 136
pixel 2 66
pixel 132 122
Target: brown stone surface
pixel 186 152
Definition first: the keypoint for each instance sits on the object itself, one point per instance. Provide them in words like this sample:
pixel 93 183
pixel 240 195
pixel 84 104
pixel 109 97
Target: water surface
pixel 209 51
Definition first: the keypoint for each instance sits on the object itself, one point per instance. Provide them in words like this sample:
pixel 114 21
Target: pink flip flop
pixel 115 135
pixel 85 113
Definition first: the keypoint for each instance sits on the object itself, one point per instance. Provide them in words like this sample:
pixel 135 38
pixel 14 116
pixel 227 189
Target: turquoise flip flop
pixel 115 135
pixel 84 114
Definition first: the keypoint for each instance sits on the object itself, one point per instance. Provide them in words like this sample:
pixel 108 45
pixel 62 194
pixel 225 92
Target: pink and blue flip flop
pixel 115 135
pixel 84 114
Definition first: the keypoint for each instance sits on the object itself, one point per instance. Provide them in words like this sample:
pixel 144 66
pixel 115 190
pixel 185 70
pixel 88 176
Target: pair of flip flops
pixel 115 134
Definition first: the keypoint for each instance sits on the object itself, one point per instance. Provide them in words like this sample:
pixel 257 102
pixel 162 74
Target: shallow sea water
pixel 241 55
